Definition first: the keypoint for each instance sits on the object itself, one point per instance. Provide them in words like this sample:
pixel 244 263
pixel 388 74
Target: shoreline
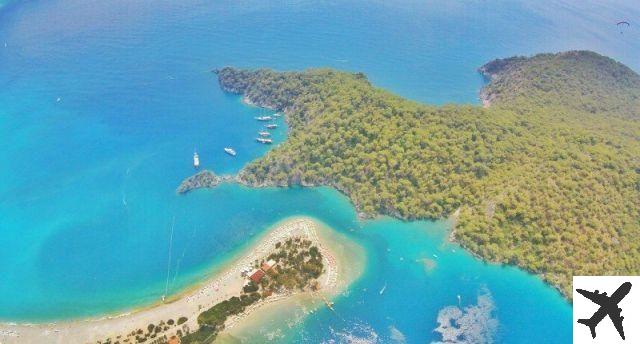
pixel 292 310
pixel 225 281
pixel 486 98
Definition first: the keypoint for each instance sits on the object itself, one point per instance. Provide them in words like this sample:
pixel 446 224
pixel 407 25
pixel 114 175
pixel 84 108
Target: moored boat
pixel 264 118
pixel 264 141
pixel 271 126
pixel 196 160
pixel 264 133
pixel 230 151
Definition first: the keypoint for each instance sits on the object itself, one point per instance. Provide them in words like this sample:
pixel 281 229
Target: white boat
pixel 230 151
pixel 383 289
pixel 276 115
pixel 264 118
pixel 264 133
pixel 271 126
pixel 196 160
pixel 264 141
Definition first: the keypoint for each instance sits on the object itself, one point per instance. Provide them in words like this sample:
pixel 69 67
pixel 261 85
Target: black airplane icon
pixel 608 306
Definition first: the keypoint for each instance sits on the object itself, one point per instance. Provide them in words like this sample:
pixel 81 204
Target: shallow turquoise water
pixel 87 182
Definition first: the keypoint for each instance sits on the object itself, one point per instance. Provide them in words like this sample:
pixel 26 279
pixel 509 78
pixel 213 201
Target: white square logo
pixel 606 309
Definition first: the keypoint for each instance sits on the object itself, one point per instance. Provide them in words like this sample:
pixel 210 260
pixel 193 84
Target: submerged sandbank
pixel 343 265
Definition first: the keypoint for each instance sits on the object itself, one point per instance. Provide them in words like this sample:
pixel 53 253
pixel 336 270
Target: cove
pixel 87 183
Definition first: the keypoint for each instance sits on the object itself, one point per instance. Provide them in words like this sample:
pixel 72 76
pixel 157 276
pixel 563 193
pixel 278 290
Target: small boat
pixel 264 118
pixel 264 133
pixel 383 289
pixel 271 126
pixel 264 141
pixel 230 151
pixel 435 256
pixel 276 115
pixel 196 160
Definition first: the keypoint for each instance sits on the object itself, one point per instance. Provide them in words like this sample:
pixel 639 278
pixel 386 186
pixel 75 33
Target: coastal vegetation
pixel 546 177
pixel 152 334
pixel 294 265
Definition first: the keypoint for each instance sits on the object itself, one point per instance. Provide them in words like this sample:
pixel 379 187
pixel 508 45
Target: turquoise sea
pixel 102 104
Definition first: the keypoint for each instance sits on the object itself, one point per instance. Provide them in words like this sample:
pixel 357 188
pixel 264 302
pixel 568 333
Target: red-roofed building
pixel 256 275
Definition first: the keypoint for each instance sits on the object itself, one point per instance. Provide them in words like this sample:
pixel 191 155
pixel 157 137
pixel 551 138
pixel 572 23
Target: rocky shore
pixel 491 71
pixel 203 179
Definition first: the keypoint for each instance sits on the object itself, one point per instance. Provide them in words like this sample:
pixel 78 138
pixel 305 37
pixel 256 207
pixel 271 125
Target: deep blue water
pixel 87 183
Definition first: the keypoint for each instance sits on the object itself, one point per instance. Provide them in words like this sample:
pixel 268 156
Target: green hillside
pixel 547 177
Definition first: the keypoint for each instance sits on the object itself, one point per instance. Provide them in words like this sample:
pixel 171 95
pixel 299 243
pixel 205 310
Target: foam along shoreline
pixel 337 254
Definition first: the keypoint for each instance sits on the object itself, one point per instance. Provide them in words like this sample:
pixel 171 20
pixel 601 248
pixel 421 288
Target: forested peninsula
pixel 545 176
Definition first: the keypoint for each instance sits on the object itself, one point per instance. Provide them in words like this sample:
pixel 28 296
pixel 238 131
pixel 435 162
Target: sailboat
pixel 196 160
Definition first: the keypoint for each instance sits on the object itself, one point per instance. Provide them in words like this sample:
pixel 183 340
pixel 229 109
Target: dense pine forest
pixel 546 176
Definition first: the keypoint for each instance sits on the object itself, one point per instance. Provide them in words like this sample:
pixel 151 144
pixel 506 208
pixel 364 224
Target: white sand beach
pixel 190 304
